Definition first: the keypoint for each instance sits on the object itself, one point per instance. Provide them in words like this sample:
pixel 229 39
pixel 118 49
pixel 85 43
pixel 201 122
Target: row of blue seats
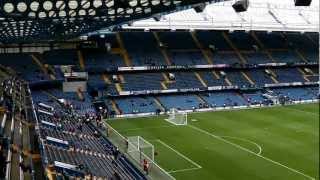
pixel 132 105
pixel 152 81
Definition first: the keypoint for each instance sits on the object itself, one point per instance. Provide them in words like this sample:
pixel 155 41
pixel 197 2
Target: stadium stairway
pixel 226 79
pixel 255 37
pixel 200 79
pixel 159 104
pixel 247 77
pixel 273 76
pixel 115 107
pixel 118 87
pixel 215 74
pixel 300 55
pixel 304 75
pixel 37 61
pixel 81 60
pixel 124 52
pixel 106 79
pixel 202 49
pixel 164 86
pixel 226 37
pixel 162 50
pixel 201 99
pixel 311 39
pixel 116 51
pixel 166 81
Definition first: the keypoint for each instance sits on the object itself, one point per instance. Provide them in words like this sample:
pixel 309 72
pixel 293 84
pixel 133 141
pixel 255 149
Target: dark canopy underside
pixel 46 20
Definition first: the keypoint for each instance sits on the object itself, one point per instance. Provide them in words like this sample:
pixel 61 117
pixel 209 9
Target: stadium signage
pixel 208 66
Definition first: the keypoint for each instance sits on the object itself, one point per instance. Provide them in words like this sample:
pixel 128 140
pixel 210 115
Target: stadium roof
pixel 264 15
pixel 37 20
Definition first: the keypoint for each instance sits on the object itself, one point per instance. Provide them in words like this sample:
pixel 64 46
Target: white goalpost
pixel 177 118
pixel 140 149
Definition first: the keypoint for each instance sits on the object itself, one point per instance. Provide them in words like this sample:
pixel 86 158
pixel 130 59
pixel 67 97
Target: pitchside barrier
pixel 137 149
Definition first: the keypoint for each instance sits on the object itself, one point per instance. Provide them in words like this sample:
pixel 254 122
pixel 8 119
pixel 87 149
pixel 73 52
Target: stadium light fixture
pixel 302 2
pixel 241 6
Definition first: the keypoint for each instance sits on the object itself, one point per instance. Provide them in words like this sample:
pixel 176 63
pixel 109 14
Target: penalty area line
pixel 251 152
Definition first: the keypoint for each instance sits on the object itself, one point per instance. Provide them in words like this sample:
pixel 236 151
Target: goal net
pixel 177 118
pixel 140 149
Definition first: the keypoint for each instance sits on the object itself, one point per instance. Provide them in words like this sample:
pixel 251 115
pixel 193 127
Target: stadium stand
pixel 189 71
pixel 57 90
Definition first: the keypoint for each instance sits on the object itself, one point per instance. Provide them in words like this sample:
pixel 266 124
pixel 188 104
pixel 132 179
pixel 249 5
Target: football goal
pixel 177 118
pixel 140 149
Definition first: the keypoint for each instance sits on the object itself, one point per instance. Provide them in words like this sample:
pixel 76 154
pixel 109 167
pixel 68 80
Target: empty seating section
pixel 285 57
pixel 181 102
pixel 311 56
pixel 100 60
pixel 272 41
pixel 242 40
pixel 300 41
pixel 143 48
pixel 259 77
pixel 225 58
pixel 214 39
pixel 133 105
pixel 177 40
pixel 95 81
pixel 254 98
pixel 237 78
pixel 298 93
pixel 257 58
pixel 142 81
pixel 24 66
pixel 61 57
pixel 187 58
pixel 220 99
pixel 211 80
pixel 99 166
pixel 185 80
pixel 82 106
pixel 288 75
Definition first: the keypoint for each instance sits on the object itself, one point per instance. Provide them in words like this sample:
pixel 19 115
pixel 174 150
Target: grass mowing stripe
pixel 299 110
pixel 137 129
pixel 180 154
pixel 251 152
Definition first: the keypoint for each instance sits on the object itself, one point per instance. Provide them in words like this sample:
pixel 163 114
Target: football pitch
pixel 278 143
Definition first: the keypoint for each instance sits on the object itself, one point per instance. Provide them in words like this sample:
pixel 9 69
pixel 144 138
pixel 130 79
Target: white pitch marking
pixel 251 152
pixel 155 127
pixel 183 170
pixel 186 158
pixel 245 140
pixel 194 120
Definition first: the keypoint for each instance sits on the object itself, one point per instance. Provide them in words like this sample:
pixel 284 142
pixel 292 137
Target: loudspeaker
pixel 157 18
pixel 241 6
pixel 302 2
pixel 199 8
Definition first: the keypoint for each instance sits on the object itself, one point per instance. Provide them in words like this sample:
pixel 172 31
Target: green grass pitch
pixel 278 143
